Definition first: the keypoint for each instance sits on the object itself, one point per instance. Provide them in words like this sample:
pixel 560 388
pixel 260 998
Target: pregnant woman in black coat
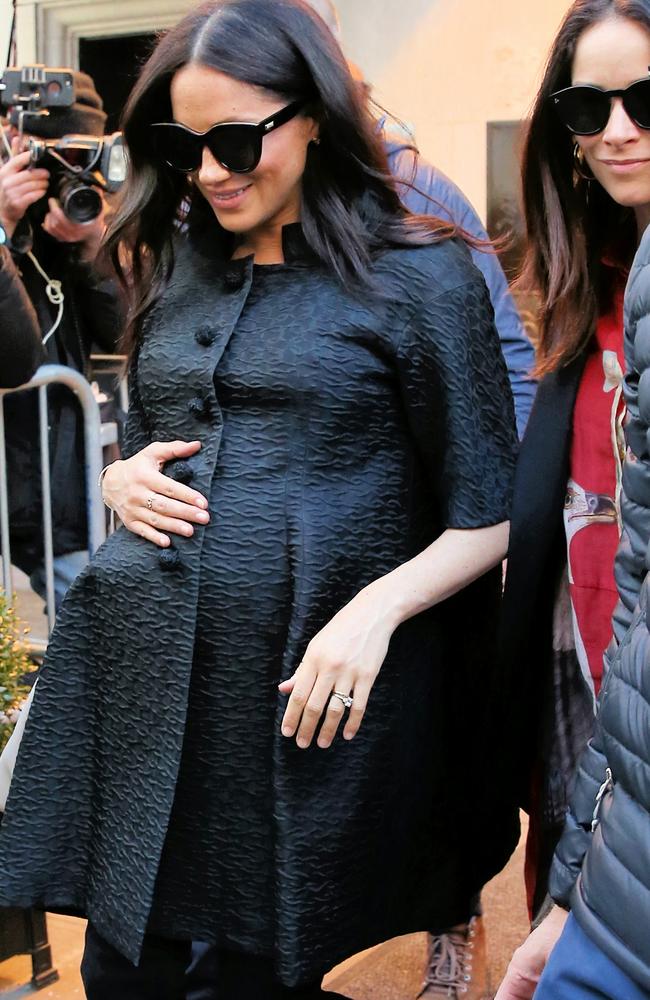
pixel 259 724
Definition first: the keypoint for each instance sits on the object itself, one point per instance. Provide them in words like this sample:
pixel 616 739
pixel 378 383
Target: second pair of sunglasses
pixel 586 110
pixel 236 145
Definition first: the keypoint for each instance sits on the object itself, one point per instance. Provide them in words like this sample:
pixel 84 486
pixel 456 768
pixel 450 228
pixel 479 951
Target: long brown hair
pixel 572 223
pixel 350 204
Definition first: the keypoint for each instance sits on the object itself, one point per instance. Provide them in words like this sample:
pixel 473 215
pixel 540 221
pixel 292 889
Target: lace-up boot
pixel 457 964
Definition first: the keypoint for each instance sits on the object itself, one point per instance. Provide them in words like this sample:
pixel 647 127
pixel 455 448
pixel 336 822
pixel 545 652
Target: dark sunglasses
pixel 236 145
pixel 586 110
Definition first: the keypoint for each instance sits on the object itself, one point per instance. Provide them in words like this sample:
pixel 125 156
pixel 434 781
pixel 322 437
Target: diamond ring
pixel 345 698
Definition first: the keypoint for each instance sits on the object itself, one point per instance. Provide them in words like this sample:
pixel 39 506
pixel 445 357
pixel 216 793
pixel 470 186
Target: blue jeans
pixel 579 970
pixel 66 568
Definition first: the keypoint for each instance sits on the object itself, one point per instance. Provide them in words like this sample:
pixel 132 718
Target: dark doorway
pixel 114 64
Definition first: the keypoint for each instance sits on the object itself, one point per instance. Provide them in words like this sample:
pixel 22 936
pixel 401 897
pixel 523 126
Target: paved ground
pixel 391 971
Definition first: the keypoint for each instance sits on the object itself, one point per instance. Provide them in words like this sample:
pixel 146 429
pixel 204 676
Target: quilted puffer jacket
pixel 602 864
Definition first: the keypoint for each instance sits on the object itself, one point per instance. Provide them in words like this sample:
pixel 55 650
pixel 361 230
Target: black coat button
pixel 205 336
pixel 169 559
pixel 180 472
pixel 199 407
pixel 233 279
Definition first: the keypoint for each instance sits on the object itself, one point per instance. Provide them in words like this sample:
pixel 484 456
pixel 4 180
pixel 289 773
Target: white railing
pixel 93 444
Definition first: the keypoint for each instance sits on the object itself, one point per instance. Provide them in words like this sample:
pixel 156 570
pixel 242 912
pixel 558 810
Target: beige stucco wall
pixel 445 66
pixel 450 66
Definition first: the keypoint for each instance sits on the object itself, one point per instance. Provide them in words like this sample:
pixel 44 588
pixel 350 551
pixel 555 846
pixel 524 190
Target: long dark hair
pixel 350 204
pixel 572 223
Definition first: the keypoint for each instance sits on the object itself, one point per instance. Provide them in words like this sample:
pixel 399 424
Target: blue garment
pixel 579 970
pixel 433 193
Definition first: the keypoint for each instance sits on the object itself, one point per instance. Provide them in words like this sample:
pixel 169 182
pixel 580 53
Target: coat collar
pixel 295 248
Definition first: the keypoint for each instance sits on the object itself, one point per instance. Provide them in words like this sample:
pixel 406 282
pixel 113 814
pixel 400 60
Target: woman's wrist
pixel 101 482
pixel 388 600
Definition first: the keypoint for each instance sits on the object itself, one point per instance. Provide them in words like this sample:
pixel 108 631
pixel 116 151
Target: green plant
pixel 14 664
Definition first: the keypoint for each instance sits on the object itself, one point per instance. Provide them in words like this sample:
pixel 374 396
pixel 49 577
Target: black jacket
pixel 541 696
pixel 373 424
pixel 93 314
pixel 605 875
pixel 21 348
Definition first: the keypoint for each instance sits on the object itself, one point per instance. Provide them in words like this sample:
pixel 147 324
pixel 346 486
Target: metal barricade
pixel 45 376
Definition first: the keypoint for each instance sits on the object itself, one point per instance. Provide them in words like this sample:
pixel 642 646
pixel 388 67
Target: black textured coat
pixel 386 422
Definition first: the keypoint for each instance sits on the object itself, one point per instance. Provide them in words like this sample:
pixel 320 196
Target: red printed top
pixel 592 508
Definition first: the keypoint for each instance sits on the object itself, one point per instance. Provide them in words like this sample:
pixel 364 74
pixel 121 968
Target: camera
pixel 32 89
pixel 80 167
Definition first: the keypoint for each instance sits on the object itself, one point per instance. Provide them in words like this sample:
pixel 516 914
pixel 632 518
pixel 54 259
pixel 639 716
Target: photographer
pixel 21 347
pixel 47 249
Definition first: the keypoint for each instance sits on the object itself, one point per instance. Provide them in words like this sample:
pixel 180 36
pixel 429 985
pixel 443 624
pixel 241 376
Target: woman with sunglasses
pixel 261 715
pixel 587 194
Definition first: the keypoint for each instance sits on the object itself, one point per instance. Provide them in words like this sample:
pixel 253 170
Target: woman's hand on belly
pixel 343 659
pixel 149 503
pixel 346 656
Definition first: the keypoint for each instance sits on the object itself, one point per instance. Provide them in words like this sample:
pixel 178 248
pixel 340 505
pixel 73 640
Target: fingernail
pixel 348 736
pixel 302 743
pixel 202 503
pixel 204 517
pixel 287 731
pixel 323 744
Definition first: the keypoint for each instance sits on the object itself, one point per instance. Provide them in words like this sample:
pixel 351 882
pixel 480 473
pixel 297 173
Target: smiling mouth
pixel 623 163
pixel 225 196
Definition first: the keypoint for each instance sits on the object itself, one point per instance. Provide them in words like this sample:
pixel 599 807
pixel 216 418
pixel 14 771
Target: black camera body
pixel 80 167
pixel 35 88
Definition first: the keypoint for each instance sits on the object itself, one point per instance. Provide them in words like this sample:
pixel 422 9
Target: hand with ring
pixel 149 503
pixel 338 671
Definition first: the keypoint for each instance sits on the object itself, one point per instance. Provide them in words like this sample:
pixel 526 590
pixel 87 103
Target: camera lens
pixel 79 201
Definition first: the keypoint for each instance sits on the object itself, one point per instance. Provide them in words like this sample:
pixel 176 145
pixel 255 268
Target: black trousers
pixel 107 975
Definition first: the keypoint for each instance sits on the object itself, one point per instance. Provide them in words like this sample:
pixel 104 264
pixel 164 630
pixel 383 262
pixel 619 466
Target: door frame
pixel 48 31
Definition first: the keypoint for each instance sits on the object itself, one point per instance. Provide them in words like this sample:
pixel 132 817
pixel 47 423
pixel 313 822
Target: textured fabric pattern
pixel 425 190
pixel 339 437
pixel 606 874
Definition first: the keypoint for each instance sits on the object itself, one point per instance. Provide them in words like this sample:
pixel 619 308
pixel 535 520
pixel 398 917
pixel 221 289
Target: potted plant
pixel 15 665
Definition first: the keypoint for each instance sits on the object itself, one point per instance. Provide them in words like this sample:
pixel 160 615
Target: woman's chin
pixel 630 195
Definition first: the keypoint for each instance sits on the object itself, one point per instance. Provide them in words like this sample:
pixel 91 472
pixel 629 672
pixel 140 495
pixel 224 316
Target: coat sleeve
pixel 458 403
pixel 426 190
pixel 101 305
pixel 630 567
pixel 21 347
pixel 577 834
pixel 591 776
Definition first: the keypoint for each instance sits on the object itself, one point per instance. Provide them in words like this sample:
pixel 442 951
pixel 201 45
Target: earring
pixel 315 142
pixel 579 164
